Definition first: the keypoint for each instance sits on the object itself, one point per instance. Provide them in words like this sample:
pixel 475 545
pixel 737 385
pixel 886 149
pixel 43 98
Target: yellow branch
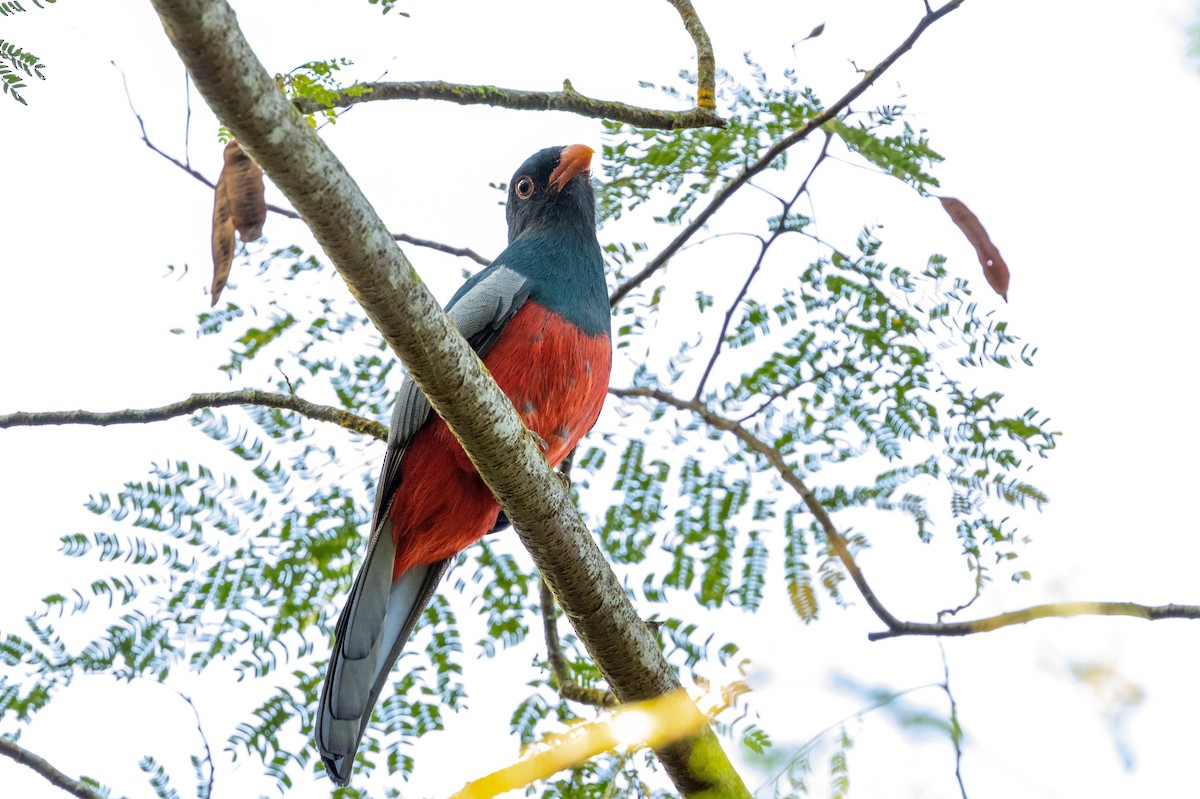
pixel 653 723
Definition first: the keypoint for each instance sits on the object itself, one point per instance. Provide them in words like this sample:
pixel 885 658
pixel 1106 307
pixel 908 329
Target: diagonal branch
pixel 779 230
pixel 837 542
pixel 896 627
pixel 55 777
pixel 243 96
pixel 197 402
pixel 777 149
pixel 569 100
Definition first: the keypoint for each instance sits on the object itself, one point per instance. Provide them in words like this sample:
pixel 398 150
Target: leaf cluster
pixel 19 60
pixel 686 165
pixel 318 81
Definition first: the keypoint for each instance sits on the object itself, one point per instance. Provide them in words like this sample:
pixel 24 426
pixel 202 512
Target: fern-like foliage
pixel 844 369
pixel 642 164
pixel 244 559
pixel 18 59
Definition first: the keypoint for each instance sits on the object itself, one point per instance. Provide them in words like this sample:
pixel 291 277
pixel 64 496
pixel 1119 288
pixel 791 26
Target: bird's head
pixel 552 189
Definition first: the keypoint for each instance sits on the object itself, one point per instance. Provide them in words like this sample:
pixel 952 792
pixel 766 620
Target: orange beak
pixel 575 160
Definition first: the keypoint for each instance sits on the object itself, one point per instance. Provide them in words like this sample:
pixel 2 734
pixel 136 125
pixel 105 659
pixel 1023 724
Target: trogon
pixel 539 319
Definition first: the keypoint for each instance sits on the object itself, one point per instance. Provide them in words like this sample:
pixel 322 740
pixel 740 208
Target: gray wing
pixel 480 310
pixel 380 613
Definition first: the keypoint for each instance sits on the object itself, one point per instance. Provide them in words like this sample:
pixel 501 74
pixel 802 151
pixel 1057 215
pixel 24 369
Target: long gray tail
pixel 375 624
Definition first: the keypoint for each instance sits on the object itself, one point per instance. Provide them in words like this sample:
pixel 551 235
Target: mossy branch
pixel 568 100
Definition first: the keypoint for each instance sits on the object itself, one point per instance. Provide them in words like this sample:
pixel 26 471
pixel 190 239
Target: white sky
pixel 1069 128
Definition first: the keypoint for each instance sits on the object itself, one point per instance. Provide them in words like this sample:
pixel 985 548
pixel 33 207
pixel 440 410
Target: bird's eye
pixel 524 187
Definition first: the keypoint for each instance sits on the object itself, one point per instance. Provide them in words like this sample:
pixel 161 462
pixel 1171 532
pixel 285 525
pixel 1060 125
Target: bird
pixel 539 318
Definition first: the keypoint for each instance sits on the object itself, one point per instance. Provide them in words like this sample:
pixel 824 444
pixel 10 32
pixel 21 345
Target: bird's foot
pixel 542 444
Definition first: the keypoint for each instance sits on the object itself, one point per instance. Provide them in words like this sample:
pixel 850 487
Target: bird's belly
pixel 557 379
pixel 555 375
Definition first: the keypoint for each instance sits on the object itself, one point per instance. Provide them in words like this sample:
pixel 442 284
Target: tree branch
pixel 55 777
pixel 1053 610
pixel 462 252
pixel 243 96
pixel 840 546
pixel 706 64
pixel 837 542
pixel 569 100
pixel 197 402
pixel 777 149
pixel 955 727
pixel 568 687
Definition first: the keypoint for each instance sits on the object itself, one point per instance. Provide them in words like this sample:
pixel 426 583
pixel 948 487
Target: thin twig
pixel 146 137
pixel 779 230
pixel 206 791
pixel 197 402
pixel 837 542
pixel 725 235
pixel 567 686
pixel 778 148
pixel 858 714
pixel 463 252
pixel 955 727
pixel 782 393
pixel 187 124
pixel 55 777
pixel 733 306
pixel 942 614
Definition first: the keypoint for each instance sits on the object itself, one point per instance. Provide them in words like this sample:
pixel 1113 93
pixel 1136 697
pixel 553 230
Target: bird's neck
pixel 566 270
